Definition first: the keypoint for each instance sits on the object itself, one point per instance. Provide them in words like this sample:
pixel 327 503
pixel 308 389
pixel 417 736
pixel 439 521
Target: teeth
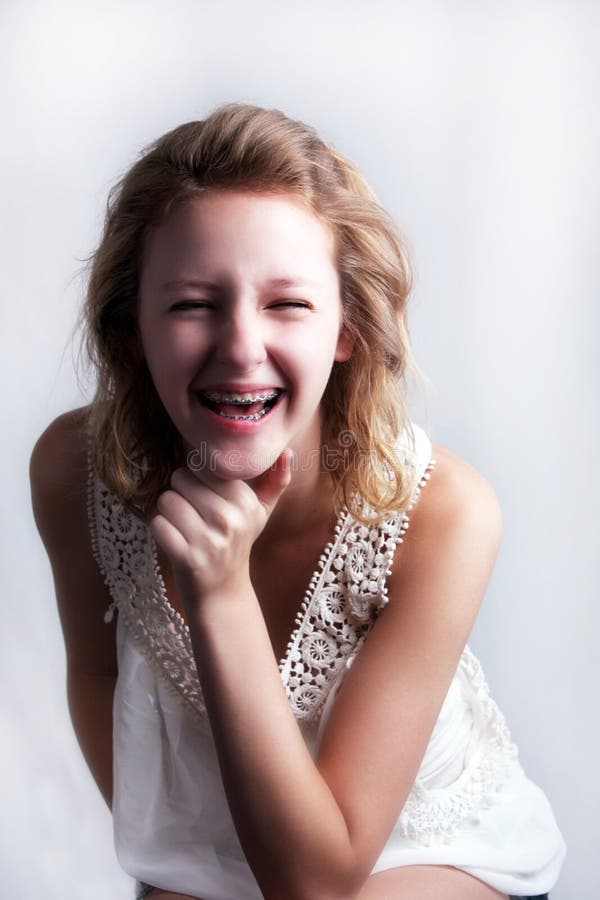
pixel 250 418
pixel 262 397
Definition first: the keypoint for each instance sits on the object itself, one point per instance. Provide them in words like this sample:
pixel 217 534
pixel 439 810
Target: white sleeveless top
pixel 471 805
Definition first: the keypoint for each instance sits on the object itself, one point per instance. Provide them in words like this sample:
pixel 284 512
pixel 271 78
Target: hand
pixel 207 525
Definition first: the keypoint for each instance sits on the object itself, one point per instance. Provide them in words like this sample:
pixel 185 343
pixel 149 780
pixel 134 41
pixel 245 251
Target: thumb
pixel 272 483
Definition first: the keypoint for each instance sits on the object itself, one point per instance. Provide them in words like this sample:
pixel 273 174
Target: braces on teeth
pixel 249 418
pixel 241 398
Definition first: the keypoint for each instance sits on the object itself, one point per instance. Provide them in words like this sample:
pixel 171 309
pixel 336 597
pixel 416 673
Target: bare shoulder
pixel 58 472
pixel 454 534
pixel 456 497
pixel 61 450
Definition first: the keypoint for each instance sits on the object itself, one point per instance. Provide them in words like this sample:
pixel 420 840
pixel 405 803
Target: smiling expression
pixel 240 319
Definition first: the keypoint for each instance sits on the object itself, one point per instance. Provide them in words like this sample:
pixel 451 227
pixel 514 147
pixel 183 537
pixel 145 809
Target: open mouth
pixel 248 407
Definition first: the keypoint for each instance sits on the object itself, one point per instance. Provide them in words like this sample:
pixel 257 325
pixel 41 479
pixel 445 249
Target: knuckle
pixel 221 520
pixel 237 523
pixel 179 478
pixel 165 501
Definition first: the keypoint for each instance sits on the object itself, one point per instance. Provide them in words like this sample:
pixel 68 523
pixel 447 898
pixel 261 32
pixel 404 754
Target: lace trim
pixel 126 554
pixel 343 600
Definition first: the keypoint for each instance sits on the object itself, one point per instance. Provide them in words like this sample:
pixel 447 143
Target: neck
pixel 307 503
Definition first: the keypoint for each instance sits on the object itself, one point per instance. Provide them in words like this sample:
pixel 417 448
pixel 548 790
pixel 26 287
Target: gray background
pixel 477 124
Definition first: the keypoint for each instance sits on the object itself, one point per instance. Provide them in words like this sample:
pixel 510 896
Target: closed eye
pixel 290 304
pixel 186 305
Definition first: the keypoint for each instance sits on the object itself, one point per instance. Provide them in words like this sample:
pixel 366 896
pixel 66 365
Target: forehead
pixel 226 227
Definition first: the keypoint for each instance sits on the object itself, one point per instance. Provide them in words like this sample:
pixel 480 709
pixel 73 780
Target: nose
pixel 241 339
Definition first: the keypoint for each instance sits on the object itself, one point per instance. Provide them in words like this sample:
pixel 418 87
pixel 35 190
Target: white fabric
pixel 471 806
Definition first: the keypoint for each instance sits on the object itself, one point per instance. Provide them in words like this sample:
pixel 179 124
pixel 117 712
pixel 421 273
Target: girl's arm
pixel 314 830
pixel 59 494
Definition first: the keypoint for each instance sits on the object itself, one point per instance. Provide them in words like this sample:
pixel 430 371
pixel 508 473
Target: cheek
pixel 170 353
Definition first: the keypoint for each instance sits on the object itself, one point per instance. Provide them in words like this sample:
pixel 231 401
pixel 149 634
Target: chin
pixel 230 465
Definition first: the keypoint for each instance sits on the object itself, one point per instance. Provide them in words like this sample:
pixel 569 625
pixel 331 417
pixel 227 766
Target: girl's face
pixel 240 320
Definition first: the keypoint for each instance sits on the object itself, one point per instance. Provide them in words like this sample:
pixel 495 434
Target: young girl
pixel 283 705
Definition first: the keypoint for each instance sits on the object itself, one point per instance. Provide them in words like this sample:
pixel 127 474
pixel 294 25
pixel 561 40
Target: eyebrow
pixel 272 284
pixel 283 283
pixel 179 283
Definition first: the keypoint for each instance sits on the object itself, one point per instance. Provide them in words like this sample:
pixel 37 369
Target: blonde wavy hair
pixel 135 444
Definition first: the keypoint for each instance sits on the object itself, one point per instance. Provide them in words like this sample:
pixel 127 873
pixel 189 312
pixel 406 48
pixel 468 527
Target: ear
pixel 345 346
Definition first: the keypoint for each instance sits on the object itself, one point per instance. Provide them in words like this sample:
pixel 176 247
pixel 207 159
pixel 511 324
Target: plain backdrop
pixel 477 124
